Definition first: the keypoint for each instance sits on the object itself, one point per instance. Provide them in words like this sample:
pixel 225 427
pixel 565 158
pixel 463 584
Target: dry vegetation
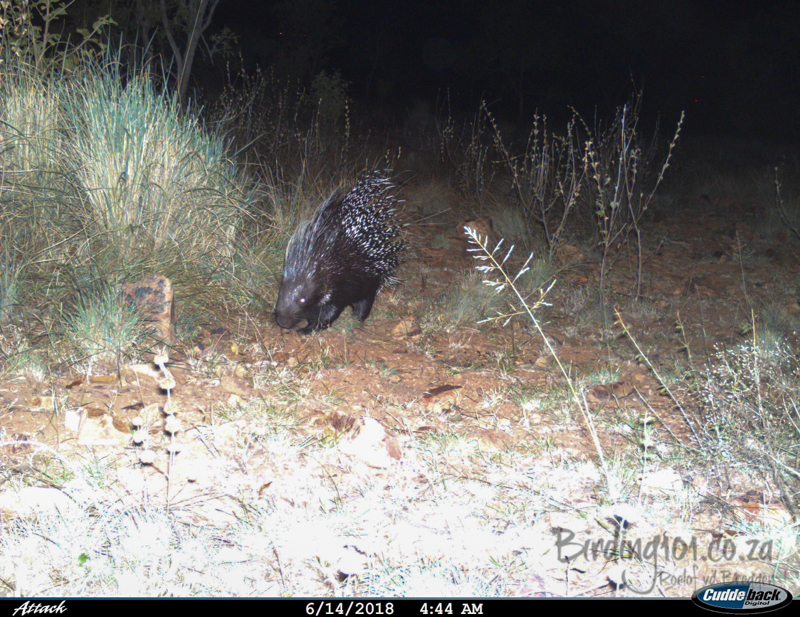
pixel 617 415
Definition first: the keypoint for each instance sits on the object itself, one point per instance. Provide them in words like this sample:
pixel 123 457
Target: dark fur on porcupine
pixel 343 256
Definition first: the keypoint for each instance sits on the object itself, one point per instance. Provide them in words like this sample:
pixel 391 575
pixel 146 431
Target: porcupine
pixel 343 256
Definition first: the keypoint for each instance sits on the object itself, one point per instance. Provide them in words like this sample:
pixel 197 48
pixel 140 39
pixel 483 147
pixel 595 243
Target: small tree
pixel 27 30
pixel 188 19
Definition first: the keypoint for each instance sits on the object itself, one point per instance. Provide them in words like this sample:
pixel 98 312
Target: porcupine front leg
pixel 322 317
pixel 312 320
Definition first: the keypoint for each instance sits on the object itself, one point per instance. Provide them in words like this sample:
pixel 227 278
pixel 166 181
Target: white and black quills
pixel 343 256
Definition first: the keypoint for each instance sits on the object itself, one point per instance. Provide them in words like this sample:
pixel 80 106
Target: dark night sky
pixel 733 66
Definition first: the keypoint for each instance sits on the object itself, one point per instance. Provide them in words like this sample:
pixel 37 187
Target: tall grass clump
pixel 13 239
pixel 32 156
pixel 153 186
pixel 105 179
pixel 29 132
pixel 34 184
pixel 104 326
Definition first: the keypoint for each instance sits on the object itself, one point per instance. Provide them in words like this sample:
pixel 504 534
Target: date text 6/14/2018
pixel 327 608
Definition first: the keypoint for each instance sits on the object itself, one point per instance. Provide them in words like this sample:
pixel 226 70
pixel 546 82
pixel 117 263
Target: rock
pixel 153 297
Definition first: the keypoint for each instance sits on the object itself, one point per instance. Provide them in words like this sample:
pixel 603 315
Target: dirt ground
pixel 695 277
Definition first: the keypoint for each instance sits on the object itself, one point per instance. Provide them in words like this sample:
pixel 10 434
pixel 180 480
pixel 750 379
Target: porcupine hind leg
pixel 363 307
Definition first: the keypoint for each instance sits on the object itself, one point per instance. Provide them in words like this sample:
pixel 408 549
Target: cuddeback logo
pixel 741 597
